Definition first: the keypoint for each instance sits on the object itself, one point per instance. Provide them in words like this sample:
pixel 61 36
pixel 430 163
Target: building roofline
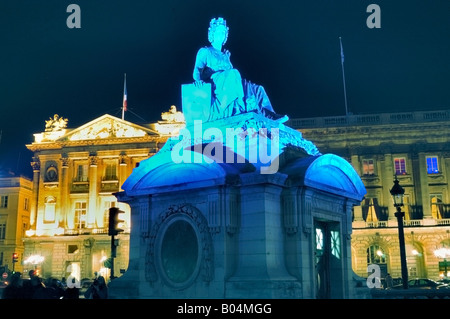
pixel 370 119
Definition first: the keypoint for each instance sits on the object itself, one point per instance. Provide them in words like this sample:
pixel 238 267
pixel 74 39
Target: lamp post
pixel 443 253
pixel 397 193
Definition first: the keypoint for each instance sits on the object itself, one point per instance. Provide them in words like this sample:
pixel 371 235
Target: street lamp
pixel 397 193
pixel 443 253
pixel 35 260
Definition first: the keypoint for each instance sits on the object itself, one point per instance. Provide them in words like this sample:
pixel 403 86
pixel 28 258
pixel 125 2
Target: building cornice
pixel 57 145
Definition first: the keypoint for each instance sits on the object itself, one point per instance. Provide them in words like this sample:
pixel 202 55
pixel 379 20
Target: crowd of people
pixel 51 288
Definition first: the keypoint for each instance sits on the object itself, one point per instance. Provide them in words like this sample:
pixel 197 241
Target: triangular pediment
pixel 107 127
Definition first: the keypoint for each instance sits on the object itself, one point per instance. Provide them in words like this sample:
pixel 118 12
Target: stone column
pixel 347 250
pixel 86 265
pixel 261 265
pixel 427 217
pixel 357 211
pixel 356 164
pixel 36 165
pixel 445 167
pixel 387 178
pixel 92 206
pixel 64 192
pixel 123 159
pixel 261 233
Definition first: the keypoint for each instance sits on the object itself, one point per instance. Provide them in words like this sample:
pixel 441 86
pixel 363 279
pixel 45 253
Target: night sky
pixel 290 47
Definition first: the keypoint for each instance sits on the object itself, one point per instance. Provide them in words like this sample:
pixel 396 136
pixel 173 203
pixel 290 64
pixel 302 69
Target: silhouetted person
pixel 389 281
pixel 53 289
pixel 98 289
pixel 39 289
pixel 28 288
pixel 63 282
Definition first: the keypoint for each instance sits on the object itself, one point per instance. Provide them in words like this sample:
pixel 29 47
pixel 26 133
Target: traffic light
pixel 114 221
pixel 15 257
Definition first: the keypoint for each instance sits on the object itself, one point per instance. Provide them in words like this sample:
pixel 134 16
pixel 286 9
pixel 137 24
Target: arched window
pixel 375 255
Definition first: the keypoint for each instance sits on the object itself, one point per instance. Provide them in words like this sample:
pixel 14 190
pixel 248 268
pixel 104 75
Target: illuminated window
pixel 49 210
pixel 407 207
pixel 80 215
pixel 368 167
pixel 82 173
pixel 400 166
pixel 26 204
pixel 437 206
pixel 319 239
pixel 110 172
pixel 370 209
pixel 432 165
pixel 3 201
pixel 108 205
pixel 2 229
pixel 335 244
pixel 375 255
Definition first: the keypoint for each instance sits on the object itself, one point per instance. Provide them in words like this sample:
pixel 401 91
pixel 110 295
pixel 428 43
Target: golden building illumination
pixel 75 174
pixel 413 147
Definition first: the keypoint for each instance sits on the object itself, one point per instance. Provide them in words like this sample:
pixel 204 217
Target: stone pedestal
pixel 259 215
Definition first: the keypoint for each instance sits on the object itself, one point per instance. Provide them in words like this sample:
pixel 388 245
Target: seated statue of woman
pixel 232 94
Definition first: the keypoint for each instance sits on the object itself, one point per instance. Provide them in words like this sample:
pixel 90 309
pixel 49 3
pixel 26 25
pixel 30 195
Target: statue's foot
pixel 282 118
pixel 276 117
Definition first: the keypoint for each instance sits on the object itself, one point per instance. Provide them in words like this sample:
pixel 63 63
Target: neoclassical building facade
pixel 75 175
pixel 15 204
pixel 77 171
pixel 414 147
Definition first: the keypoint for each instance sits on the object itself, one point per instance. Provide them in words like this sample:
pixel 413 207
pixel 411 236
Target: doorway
pixel 328 260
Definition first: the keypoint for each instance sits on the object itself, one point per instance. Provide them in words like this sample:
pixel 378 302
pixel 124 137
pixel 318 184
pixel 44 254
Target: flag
pixel 125 93
pixel 342 51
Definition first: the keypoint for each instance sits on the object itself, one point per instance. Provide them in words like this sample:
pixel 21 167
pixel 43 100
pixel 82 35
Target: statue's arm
pixel 200 63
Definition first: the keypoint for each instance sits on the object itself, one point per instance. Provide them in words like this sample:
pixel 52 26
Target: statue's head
pixel 214 24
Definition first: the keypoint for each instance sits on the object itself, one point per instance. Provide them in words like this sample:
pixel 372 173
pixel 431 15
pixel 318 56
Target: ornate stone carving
pixel 231 217
pixel 181 212
pixel 172 116
pixel 107 128
pixel 123 159
pixel 65 160
pixel 306 214
pixel 93 159
pixel 214 213
pixel 35 164
pixel 55 124
pixel 290 214
pixel 51 172
pixel 89 242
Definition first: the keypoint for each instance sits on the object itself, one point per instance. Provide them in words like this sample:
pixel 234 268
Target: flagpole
pixel 124 102
pixel 343 76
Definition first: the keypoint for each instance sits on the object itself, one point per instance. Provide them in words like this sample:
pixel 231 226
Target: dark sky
pixel 289 47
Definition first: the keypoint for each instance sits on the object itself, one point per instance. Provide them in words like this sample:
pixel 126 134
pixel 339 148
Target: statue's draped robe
pixel 232 94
